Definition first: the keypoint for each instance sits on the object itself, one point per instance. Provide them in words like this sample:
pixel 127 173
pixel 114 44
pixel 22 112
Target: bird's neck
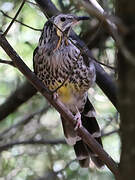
pixel 51 39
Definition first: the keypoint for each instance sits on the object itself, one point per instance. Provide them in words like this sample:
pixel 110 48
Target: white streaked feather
pixel 72 140
pixel 91 114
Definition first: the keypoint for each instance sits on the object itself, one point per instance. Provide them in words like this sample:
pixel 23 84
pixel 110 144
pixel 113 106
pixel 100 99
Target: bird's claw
pixel 77 118
pixel 55 96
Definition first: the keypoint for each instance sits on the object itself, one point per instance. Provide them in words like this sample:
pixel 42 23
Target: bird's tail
pixel 83 152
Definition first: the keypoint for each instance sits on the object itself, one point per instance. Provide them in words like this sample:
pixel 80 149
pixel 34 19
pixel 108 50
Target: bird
pixel 69 73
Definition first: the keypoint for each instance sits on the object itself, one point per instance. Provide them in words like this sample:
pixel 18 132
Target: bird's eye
pixel 63 19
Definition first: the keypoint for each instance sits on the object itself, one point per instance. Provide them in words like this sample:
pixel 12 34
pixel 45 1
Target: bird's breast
pixel 65 63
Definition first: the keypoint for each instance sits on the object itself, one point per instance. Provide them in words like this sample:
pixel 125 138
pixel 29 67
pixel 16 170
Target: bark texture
pixel 17 98
pixel 126 11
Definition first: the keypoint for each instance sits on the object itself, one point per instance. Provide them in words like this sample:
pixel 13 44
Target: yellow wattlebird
pixel 57 58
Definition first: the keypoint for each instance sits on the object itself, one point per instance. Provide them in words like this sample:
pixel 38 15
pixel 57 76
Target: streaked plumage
pixel 57 58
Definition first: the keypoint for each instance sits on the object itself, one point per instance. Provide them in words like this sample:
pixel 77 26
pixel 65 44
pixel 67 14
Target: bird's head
pixel 64 22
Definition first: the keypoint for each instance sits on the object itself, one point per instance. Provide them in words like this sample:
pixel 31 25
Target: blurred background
pixel 32 145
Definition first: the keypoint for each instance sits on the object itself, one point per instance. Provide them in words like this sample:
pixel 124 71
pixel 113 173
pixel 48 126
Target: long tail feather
pixel 82 151
pixel 82 154
pixel 70 134
pixel 90 123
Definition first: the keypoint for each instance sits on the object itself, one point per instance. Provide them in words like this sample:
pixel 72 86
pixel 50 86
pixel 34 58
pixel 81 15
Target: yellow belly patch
pixel 65 93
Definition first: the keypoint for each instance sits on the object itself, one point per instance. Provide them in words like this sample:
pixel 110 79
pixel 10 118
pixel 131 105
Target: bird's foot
pixel 77 118
pixel 55 96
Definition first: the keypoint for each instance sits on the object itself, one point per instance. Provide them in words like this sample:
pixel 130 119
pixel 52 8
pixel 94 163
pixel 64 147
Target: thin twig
pixel 7 62
pixel 66 166
pixel 62 84
pixel 24 120
pixel 35 29
pixel 32 142
pixel 109 133
pixel 6 31
pixel 31 3
pixel 108 123
pixel 22 94
pixel 106 65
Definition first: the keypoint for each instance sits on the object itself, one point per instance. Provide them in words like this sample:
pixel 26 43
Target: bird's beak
pixel 81 18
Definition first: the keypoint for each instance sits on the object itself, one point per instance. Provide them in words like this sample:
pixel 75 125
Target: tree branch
pixel 109 133
pixel 11 23
pixel 35 29
pixel 66 166
pixel 66 114
pixel 7 62
pixel 92 39
pixel 33 142
pixel 17 98
pixel 47 7
pixel 112 28
pixel 26 118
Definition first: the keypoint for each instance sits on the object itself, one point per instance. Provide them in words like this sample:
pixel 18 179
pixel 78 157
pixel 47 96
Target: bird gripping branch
pixel 57 60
